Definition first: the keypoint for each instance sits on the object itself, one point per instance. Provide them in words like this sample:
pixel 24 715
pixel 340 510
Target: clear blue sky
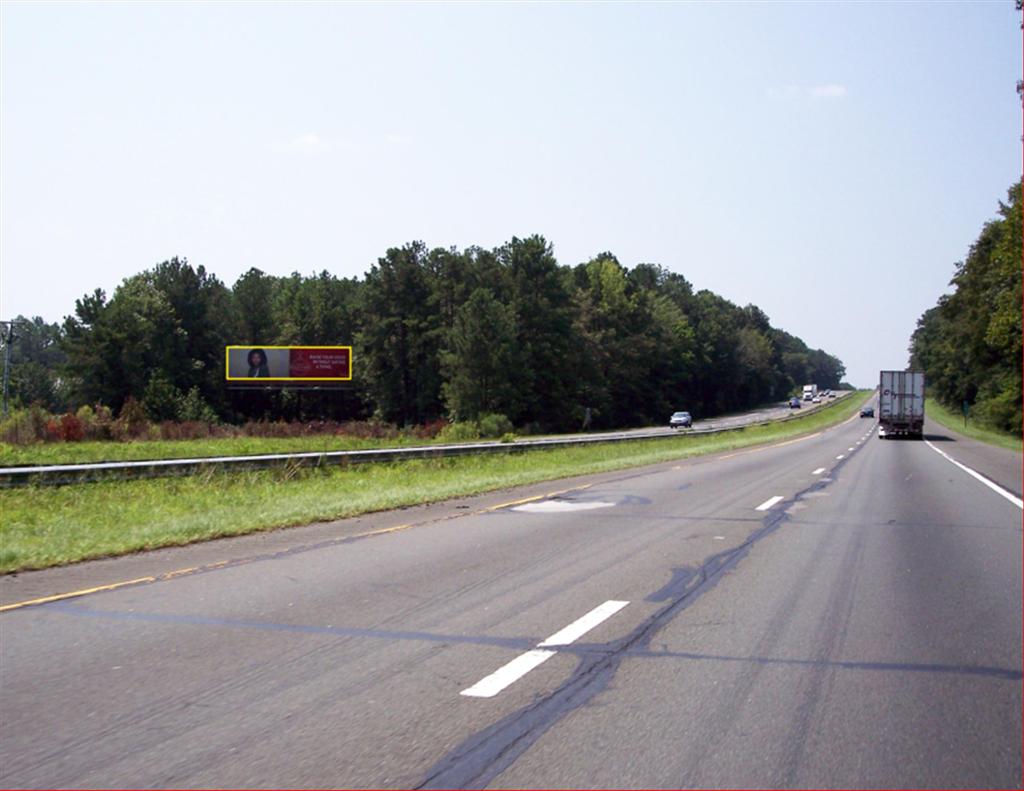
pixel 828 162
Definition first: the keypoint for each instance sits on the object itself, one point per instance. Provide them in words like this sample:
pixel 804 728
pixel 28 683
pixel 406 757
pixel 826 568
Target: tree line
pixel 969 344
pixel 437 333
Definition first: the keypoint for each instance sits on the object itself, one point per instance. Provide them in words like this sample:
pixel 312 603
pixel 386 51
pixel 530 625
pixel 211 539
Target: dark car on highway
pixel 680 420
pixel 794 403
pixel 868 411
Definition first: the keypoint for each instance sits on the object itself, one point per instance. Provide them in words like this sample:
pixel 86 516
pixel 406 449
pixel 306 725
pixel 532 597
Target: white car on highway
pixel 680 420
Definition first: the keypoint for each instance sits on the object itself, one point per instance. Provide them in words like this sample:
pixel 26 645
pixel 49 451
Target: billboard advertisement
pixel 288 363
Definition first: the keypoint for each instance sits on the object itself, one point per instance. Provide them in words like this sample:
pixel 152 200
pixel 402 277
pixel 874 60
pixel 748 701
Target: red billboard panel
pixel 288 363
pixel 315 362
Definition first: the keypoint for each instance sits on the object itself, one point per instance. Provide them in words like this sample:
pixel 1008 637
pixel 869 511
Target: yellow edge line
pixel 221 563
pixel 536 497
pixel 382 531
pixel 84 592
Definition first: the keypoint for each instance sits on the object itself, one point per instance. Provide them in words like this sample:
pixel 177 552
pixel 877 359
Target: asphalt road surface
pixel 762 414
pixel 832 611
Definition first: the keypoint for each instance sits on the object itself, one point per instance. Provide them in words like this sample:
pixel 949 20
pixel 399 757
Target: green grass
pixel 81 452
pixel 139 450
pixel 44 527
pixel 955 421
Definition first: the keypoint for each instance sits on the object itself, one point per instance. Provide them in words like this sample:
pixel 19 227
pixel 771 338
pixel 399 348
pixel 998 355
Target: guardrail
pixel 63 474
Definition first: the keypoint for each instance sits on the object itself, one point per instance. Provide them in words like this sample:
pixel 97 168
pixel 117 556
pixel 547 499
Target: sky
pixel 828 162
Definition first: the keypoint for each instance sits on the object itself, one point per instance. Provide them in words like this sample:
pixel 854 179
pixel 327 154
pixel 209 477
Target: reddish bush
pixel 65 428
pixel 264 428
pixel 430 430
pixel 71 428
pixel 194 429
pixel 53 433
pixel 367 429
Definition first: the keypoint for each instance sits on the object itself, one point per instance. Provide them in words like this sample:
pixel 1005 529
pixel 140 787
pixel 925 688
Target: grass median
pixel 45 526
pixel 138 450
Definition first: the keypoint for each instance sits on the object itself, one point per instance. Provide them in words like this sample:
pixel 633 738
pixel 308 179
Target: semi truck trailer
pixel 901 404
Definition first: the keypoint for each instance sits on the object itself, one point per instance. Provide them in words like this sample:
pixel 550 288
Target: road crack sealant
pixel 485 755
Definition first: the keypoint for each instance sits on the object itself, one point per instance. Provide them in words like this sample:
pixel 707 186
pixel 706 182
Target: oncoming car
pixel 794 403
pixel 680 420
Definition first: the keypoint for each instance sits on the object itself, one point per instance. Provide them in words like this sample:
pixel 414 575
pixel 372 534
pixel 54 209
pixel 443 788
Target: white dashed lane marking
pixel 508 674
pixel 769 503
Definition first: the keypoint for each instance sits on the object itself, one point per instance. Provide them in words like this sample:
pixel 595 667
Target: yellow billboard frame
pixel 250 347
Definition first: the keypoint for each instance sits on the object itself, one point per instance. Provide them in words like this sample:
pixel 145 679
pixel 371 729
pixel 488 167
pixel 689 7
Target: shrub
pixel 1002 412
pixel 132 422
pixel 71 428
pixel 53 430
pixel 460 432
pixel 494 425
pixel 430 429
pixel 193 408
pixel 266 428
pixel 25 426
pixel 65 428
pixel 189 429
pixel 161 399
pixel 367 429
pixel 98 422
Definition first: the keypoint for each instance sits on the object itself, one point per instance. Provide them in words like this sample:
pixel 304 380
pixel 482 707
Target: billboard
pixel 288 363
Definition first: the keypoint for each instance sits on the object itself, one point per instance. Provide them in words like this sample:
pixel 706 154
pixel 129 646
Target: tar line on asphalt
pixel 508 674
pixel 993 486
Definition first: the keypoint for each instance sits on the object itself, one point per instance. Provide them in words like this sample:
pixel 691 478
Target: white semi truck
pixel 810 391
pixel 901 404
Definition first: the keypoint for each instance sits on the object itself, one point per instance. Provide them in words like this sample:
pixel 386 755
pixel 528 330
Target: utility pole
pixel 8 338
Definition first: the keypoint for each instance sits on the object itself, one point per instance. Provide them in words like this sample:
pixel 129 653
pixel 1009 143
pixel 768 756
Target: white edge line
pixel 994 487
pixel 491 685
pixel 769 503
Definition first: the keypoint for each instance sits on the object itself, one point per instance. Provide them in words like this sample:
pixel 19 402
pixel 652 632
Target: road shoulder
pixel 1000 465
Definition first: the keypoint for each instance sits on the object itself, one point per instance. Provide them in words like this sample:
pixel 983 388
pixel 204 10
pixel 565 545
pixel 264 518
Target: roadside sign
pixel 288 363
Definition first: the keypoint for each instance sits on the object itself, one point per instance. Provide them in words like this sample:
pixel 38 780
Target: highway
pixel 831 611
